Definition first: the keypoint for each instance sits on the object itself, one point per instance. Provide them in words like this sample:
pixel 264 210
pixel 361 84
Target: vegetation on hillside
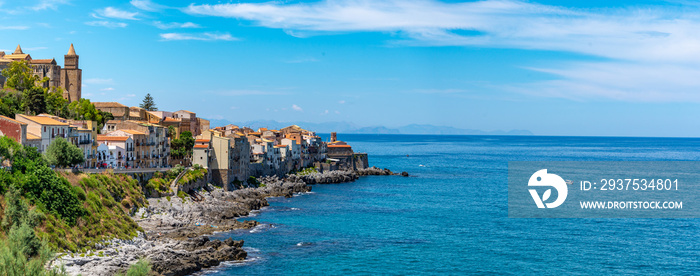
pixel 193 175
pixel 159 184
pixel 74 211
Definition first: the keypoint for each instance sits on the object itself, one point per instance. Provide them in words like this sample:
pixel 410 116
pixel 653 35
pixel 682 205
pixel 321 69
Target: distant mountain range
pixel 346 127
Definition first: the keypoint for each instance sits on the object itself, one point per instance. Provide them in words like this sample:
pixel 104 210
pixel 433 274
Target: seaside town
pixel 99 178
pixel 143 138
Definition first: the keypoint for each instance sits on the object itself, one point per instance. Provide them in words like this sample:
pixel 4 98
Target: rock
pixel 404 174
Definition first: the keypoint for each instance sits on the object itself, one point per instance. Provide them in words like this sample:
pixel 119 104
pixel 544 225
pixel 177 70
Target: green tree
pixel 55 103
pixel 22 253
pixel 61 153
pixel 148 103
pixel 183 146
pixel 20 76
pixel 34 100
pixel 10 103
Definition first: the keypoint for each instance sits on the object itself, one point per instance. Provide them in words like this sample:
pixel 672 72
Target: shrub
pixel 140 268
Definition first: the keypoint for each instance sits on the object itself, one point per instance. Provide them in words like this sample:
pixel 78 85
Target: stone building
pixel 119 111
pixel 69 77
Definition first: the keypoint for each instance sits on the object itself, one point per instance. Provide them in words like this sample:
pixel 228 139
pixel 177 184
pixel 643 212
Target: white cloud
pixel 341 102
pixel 297 108
pixel 146 5
pixel 48 4
pixel 108 24
pixel 199 36
pixel 111 12
pixel 19 28
pixel 107 89
pixel 173 25
pixel 234 108
pixel 648 51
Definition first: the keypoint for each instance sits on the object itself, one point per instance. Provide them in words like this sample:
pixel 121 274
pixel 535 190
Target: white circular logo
pixel 542 178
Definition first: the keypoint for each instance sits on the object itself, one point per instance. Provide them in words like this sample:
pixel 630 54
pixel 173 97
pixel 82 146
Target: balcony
pixel 85 142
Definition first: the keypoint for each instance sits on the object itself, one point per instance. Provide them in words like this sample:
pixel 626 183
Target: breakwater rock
pixel 328 177
pixel 167 256
pixel 378 171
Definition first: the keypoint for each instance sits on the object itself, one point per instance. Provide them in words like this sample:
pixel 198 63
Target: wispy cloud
pixel 341 102
pixel 647 50
pixel 107 89
pixel 111 12
pixel 19 28
pixel 108 24
pixel 173 25
pixel 297 108
pixel 197 36
pixel 146 5
pixel 48 4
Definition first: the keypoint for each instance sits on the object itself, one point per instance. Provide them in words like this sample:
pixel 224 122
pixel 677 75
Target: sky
pixel 578 68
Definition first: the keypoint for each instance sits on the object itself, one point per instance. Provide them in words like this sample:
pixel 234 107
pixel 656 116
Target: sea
pixel 451 215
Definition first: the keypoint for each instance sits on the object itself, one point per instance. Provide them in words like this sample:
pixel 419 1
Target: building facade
pixel 69 78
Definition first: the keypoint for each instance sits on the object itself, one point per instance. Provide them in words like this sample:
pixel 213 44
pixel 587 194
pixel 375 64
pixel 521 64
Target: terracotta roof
pixel 17 56
pixel 43 120
pixel 32 137
pixel 201 146
pixel 108 104
pixel 171 120
pixel 12 120
pixel 339 146
pixel 43 61
pixel 112 138
pixel 280 146
pixel 131 131
pixel 186 111
pixel 255 133
pixel 267 141
pixel 202 141
pixel 18 50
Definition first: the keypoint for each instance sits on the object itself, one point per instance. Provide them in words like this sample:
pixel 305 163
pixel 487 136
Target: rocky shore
pixel 175 229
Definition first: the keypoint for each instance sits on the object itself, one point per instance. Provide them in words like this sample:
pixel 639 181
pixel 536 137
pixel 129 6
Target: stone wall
pixel 361 161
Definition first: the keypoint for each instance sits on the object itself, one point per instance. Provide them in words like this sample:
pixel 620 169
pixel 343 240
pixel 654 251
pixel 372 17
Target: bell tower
pixel 71 76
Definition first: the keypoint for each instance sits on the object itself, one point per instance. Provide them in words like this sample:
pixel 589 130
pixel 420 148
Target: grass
pixel 308 171
pixel 192 176
pixel 109 199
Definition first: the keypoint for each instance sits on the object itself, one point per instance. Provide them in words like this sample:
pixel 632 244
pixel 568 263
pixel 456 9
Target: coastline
pixel 175 237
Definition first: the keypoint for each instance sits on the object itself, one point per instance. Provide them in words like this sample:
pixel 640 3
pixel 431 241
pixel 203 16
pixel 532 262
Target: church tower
pixel 71 76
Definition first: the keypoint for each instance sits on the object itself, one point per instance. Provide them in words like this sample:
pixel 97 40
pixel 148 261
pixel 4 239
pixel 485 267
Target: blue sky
pixel 604 68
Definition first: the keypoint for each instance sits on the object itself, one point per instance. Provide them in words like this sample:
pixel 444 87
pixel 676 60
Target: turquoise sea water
pixel 451 216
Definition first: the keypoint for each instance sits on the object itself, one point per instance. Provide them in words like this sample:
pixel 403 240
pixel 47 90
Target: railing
pixel 85 142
